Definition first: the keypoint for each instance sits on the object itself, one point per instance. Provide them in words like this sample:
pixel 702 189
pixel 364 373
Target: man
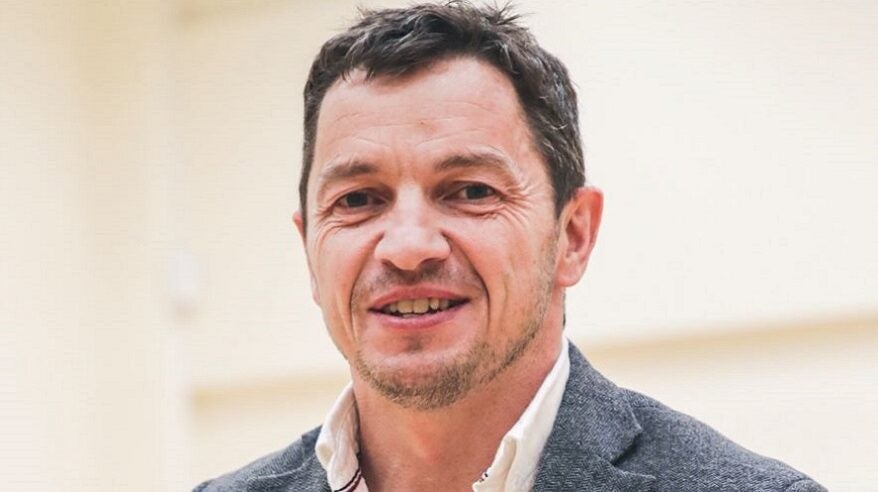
pixel 444 211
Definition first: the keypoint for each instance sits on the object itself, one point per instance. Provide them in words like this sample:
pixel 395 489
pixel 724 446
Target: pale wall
pixel 89 398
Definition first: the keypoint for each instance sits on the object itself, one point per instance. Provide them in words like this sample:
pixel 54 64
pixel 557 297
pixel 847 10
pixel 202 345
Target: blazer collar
pixel 309 477
pixel 594 427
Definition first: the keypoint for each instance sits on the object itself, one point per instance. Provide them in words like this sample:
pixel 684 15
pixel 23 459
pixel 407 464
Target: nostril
pixel 408 248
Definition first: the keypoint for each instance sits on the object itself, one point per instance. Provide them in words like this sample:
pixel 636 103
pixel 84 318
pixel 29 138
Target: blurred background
pixel 156 326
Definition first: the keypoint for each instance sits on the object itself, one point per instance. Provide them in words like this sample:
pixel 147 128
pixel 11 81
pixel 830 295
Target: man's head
pixel 438 246
pixel 396 42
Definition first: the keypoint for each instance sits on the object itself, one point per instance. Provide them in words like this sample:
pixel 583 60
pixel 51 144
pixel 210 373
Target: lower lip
pixel 419 322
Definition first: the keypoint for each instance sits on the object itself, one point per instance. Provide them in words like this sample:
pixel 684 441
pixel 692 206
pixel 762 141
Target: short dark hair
pixel 397 42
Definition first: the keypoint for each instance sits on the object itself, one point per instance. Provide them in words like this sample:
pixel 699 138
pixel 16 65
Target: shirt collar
pixel 518 455
pixel 515 462
pixel 337 446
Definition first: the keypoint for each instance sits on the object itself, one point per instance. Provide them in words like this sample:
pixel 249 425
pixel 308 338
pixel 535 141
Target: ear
pixel 580 221
pixel 300 226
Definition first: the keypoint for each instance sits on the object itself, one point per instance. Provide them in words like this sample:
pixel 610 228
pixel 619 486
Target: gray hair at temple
pixel 398 42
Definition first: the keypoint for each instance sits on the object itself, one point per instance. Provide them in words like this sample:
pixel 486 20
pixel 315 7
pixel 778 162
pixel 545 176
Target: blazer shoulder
pixel 686 454
pixel 279 462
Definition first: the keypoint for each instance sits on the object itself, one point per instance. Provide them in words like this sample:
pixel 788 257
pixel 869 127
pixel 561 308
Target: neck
pixel 448 448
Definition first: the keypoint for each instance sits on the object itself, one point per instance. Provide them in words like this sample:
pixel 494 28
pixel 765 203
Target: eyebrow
pixel 342 171
pixel 475 159
pixel 349 169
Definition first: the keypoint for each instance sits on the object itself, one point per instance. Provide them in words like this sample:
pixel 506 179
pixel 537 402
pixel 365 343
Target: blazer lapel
pixel 594 427
pixel 310 477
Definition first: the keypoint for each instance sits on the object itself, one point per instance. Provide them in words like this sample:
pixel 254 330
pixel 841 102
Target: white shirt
pixel 515 463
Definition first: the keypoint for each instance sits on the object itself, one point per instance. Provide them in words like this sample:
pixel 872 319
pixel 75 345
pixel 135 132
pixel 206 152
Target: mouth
pixel 410 308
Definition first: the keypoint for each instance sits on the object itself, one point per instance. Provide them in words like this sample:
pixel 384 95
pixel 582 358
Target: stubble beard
pixel 452 379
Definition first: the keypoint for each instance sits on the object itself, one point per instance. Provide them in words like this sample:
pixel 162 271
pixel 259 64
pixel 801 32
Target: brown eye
pixel 358 199
pixel 475 191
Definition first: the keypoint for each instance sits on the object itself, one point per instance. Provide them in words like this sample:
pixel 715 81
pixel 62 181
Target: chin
pixel 421 380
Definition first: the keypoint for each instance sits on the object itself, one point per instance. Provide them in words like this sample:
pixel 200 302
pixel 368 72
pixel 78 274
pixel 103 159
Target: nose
pixel 412 235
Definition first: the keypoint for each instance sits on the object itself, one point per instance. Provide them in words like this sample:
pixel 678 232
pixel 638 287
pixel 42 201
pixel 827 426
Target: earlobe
pixel 580 220
pixel 300 226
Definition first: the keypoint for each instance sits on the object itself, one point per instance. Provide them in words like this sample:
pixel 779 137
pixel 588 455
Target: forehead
pixel 449 105
pixel 464 79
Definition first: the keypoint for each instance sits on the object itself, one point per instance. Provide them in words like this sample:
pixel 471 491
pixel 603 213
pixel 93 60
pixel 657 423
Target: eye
pixel 358 199
pixel 474 191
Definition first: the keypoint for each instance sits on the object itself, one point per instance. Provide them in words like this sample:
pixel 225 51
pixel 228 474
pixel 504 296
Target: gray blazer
pixel 605 438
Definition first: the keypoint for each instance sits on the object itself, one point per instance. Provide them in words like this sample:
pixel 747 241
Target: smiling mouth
pixel 407 308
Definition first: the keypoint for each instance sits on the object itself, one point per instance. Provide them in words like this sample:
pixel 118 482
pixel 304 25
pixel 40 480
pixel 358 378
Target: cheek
pixel 511 254
pixel 507 253
pixel 511 240
pixel 338 258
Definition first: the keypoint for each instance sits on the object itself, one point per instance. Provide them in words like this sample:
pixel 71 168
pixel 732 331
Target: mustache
pixel 389 277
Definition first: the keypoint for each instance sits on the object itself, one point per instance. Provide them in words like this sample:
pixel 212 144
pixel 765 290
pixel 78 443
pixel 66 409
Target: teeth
pixel 417 306
pixel 421 306
pixel 404 307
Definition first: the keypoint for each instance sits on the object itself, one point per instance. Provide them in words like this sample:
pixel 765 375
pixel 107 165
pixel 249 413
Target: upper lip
pixel 415 292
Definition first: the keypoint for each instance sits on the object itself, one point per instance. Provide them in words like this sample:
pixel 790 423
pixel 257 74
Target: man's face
pixel 431 232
